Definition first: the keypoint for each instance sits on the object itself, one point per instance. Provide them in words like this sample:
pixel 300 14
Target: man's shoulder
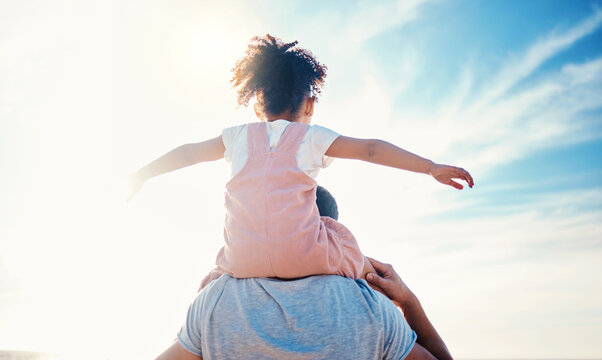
pixel 319 313
pixel 322 290
pixel 315 316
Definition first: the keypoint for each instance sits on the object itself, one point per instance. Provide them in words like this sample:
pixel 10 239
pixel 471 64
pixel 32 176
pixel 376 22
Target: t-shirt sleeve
pixel 229 137
pixel 189 335
pixel 321 139
pixel 399 336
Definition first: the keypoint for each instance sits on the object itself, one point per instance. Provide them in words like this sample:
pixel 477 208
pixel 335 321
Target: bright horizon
pixel 511 91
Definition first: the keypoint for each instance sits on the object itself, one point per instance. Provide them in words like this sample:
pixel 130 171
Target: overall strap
pixel 292 137
pixel 257 139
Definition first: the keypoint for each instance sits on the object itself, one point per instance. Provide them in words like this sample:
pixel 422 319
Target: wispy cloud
pixel 538 263
pixel 549 113
pixel 503 123
pixel 370 19
pixel 537 54
pixel 335 30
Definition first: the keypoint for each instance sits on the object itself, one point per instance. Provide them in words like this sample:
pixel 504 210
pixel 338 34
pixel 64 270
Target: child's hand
pixel 445 173
pixel 135 182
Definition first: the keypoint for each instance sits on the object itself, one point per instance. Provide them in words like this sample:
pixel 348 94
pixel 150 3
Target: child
pixel 272 227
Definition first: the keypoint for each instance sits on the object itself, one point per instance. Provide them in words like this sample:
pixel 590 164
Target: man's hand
pixel 369 269
pixel 445 173
pixel 429 345
pixel 389 283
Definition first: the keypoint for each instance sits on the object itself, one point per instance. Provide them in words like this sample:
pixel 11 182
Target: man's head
pixel 327 205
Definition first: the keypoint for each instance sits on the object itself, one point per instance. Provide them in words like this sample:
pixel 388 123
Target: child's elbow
pixel 371 149
pixel 188 155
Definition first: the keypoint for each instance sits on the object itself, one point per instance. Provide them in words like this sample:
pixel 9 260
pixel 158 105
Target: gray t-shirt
pixel 318 317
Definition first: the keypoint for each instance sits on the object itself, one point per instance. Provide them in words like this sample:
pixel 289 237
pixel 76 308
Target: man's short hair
pixel 327 205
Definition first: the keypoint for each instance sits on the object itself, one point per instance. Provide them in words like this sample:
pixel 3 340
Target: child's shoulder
pixel 318 127
pixel 322 133
pixel 233 134
pixel 241 127
pixel 237 127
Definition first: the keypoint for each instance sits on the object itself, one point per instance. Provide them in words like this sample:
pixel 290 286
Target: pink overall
pixel 273 227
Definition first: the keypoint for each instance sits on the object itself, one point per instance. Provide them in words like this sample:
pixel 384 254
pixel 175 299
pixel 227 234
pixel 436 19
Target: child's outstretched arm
pixel 182 156
pixel 384 153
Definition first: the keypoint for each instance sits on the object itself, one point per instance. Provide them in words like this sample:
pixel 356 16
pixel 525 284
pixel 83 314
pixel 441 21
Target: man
pixel 317 317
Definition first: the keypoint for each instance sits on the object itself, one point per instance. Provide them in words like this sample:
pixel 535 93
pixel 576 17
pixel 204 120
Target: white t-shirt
pixel 310 156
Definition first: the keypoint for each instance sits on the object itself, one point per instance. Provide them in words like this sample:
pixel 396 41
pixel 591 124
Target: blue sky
pixel 510 90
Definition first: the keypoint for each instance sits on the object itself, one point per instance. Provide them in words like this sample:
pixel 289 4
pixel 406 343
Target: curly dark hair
pixel 279 74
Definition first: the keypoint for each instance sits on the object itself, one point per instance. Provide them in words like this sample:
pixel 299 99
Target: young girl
pixel 272 227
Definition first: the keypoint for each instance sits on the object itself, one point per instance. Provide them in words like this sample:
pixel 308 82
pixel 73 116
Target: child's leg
pixel 346 252
pixel 215 274
pixel 368 268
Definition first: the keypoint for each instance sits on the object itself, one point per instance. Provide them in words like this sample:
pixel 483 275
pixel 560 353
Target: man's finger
pixel 374 279
pixel 378 266
pixel 377 288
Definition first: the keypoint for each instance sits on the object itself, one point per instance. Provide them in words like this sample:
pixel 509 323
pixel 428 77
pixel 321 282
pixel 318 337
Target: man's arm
pixel 429 344
pixel 384 153
pixel 182 156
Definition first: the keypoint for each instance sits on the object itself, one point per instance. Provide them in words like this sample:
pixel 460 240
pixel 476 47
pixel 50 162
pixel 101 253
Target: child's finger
pixel 467 179
pixel 460 173
pixel 130 195
pixel 455 184
pixel 465 175
pixel 470 179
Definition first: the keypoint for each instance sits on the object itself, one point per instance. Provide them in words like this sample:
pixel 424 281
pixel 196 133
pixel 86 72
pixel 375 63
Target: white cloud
pixel 509 277
pixel 485 129
pixel 587 73
pixel 535 56
pixel 370 19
